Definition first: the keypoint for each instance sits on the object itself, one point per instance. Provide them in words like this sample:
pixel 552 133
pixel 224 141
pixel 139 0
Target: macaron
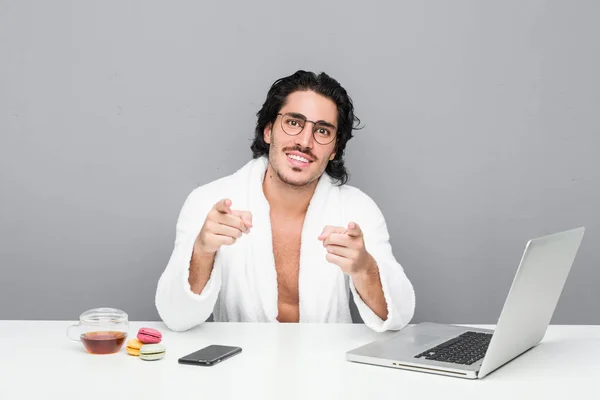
pixel 152 352
pixel 133 347
pixel 149 336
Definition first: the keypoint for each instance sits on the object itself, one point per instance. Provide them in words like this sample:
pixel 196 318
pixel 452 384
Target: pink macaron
pixel 149 336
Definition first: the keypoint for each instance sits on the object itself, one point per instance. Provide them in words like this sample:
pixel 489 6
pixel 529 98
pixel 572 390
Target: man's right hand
pixel 223 226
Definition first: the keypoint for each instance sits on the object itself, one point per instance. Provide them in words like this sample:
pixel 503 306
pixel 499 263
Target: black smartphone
pixel 210 355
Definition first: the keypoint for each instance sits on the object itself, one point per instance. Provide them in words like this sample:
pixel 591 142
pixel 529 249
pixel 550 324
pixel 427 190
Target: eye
pixel 294 123
pixel 322 131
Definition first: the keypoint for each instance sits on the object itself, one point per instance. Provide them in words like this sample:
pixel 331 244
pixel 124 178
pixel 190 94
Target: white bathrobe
pixel 243 283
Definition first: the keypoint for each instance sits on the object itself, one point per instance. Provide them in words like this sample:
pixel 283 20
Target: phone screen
pixel 210 355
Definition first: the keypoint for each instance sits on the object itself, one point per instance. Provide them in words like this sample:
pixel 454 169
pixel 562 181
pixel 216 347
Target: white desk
pixel 278 361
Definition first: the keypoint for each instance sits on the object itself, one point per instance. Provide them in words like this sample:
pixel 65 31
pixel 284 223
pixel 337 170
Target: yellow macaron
pixel 133 347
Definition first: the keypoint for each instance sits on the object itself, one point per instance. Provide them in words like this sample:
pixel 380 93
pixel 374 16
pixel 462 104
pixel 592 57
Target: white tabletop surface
pixel 278 361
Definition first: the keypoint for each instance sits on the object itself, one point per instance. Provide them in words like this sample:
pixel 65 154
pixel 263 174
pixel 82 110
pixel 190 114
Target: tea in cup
pixel 101 330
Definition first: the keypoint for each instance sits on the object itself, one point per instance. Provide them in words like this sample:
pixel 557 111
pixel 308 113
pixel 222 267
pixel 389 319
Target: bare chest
pixel 286 251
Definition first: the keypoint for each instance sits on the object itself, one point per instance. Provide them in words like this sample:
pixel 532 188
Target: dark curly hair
pixel 324 85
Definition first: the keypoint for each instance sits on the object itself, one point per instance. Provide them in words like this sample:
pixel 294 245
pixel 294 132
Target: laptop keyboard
pixel 464 349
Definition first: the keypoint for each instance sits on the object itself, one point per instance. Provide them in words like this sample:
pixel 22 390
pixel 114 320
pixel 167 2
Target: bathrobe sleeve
pixel 397 288
pixel 179 307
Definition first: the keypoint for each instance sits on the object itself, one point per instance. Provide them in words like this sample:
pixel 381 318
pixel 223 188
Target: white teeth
pixel 298 158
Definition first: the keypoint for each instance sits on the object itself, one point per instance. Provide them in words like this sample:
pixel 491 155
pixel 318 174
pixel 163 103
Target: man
pixel 285 239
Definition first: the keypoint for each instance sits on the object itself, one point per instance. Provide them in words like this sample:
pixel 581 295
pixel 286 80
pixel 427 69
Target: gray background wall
pixel 481 131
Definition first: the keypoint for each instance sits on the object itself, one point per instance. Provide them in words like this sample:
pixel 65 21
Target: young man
pixel 285 239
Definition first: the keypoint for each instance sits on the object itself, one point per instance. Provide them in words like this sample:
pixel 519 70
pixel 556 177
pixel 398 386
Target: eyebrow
pixel 320 122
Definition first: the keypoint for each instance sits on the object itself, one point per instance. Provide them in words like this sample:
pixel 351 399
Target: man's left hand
pixel 346 248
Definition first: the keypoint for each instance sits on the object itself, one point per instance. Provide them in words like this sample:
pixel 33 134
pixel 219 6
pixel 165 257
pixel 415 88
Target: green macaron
pixel 152 352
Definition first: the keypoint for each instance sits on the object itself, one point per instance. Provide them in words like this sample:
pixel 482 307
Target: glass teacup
pixel 101 330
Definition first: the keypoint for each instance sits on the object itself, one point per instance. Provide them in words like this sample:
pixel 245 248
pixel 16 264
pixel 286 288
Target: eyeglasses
pixel 293 123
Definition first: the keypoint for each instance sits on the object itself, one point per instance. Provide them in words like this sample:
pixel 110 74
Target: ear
pixel 267 133
pixel 332 156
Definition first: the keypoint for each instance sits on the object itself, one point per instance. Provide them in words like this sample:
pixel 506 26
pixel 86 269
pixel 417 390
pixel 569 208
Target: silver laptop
pixel 474 353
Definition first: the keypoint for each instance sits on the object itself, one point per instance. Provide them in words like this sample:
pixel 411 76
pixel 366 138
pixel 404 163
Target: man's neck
pixel 284 198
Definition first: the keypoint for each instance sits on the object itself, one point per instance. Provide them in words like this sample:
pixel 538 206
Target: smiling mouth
pixel 298 158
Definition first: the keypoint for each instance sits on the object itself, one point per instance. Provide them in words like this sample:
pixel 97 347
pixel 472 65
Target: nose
pixel 306 138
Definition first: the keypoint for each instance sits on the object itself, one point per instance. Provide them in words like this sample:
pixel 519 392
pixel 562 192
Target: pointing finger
pixel 223 206
pixel 353 230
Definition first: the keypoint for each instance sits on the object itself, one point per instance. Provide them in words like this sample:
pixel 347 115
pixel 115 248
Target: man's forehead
pixel 312 105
